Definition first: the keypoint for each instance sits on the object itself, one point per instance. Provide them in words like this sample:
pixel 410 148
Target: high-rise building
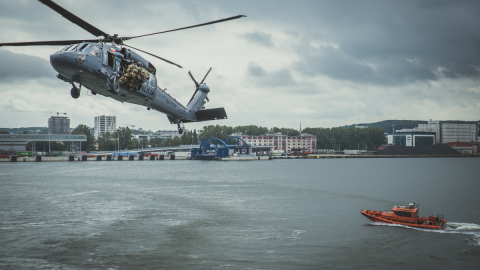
pixel 451 132
pixel 104 124
pixel 58 125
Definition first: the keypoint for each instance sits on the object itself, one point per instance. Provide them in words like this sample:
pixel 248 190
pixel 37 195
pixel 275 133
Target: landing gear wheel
pixel 115 86
pixel 75 92
pixel 180 130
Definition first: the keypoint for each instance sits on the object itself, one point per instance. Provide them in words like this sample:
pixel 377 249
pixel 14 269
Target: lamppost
pixel 393 133
pixel 286 148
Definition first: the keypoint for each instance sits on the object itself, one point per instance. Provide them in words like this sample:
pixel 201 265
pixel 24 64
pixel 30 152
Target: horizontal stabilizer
pixel 211 114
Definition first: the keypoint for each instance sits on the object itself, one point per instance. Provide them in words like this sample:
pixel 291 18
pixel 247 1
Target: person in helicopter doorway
pixel 129 75
pixel 142 74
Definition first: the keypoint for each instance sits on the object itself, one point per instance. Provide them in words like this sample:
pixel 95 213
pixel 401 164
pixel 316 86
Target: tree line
pixel 327 138
pixel 348 138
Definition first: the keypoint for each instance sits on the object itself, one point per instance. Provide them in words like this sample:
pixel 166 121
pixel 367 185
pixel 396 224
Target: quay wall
pixel 104 158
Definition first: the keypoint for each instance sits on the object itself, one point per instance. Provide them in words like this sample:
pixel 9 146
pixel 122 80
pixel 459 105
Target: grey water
pixel 277 214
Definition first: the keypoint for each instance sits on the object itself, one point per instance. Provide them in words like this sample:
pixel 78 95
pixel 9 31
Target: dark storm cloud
pixel 259 38
pixel 378 42
pixel 403 41
pixel 15 67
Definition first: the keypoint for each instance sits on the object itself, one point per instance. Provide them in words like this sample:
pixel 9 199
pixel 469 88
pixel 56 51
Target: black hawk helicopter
pixel 97 64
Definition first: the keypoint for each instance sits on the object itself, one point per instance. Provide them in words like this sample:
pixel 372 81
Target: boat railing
pixel 436 216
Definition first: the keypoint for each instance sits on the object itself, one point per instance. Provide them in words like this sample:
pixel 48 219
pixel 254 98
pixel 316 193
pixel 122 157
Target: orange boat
pixel 408 216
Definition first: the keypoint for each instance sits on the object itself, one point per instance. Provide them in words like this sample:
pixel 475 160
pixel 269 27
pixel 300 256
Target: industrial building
pixel 447 132
pixel 466 148
pixel 104 124
pixel 58 125
pixel 305 141
pixel 411 137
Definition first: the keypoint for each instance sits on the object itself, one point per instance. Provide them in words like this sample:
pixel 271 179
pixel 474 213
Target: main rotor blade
pixel 74 19
pixel 212 22
pixel 205 76
pixel 53 42
pixel 154 55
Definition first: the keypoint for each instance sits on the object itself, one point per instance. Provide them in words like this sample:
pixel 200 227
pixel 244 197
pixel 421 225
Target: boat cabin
pixel 403 213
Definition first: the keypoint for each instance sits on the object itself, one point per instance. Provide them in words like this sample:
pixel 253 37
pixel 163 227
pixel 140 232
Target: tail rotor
pixel 197 85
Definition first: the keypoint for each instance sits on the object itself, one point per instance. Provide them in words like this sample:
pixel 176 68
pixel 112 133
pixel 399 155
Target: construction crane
pixel 61 113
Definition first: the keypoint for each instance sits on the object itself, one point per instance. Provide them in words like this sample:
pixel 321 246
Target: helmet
pixel 140 64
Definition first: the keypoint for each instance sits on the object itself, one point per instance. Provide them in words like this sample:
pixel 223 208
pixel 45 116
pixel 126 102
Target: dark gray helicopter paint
pixel 96 65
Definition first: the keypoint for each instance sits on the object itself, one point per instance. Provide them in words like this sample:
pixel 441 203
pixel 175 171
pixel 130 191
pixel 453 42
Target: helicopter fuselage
pixel 95 65
pixel 98 64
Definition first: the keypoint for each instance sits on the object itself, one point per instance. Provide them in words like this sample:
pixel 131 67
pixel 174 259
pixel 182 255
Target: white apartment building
pixel 282 142
pixel 104 124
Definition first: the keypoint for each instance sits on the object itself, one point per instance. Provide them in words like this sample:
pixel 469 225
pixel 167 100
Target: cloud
pixel 257 37
pixel 15 67
pixel 278 78
pixel 328 63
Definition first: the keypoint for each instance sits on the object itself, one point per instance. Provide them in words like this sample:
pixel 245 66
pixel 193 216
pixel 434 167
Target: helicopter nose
pixel 67 63
pixel 61 62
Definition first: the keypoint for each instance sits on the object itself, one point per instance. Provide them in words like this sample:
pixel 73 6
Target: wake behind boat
pixel 408 216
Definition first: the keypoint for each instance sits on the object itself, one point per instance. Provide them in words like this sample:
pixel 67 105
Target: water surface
pixel 278 214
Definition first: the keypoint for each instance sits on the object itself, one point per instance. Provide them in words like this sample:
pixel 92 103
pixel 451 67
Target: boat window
pixel 95 50
pixel 403 214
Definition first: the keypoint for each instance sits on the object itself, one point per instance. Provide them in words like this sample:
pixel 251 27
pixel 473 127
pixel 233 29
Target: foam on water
pixel 470 229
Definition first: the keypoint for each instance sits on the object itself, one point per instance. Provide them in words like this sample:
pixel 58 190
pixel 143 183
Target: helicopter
pixel 98 64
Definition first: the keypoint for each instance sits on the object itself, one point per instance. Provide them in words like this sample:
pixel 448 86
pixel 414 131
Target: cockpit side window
pixel 95 50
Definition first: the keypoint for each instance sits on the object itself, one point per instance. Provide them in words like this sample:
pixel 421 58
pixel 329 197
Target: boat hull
pixel 377 216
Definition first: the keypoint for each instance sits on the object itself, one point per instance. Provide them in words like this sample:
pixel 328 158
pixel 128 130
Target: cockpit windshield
pixel 66 48
pixel 73 47
pixel 84 47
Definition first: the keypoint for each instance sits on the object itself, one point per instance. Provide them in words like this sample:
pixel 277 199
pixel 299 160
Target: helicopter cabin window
pixel 95 51
pixel 153 81
pixel 111 60
pixel 152 69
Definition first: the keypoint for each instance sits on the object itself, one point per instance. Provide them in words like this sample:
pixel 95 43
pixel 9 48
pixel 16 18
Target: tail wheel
pixel 115 86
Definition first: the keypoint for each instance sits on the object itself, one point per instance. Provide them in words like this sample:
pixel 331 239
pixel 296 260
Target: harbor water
pixel 277 214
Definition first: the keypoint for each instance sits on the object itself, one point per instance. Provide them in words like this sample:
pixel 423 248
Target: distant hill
pixel 386 125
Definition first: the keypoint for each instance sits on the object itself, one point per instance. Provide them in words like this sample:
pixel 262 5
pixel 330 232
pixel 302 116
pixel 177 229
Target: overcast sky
pixel 325 63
